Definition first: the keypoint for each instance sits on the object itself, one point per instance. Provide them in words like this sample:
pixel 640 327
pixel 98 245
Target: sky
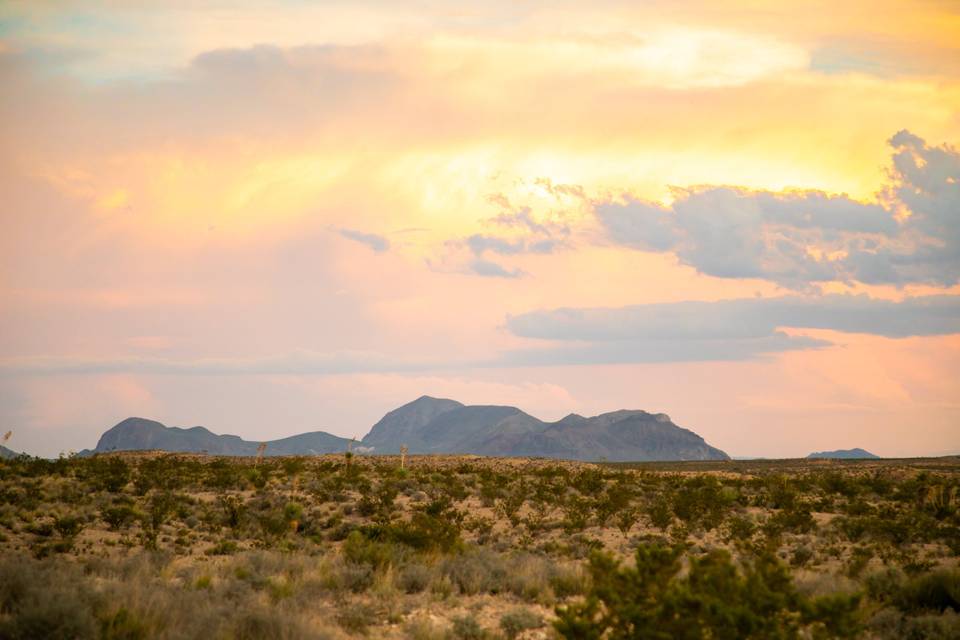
pixel 275 217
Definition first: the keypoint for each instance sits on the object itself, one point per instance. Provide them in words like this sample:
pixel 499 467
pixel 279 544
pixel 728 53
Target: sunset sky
pixel 270 218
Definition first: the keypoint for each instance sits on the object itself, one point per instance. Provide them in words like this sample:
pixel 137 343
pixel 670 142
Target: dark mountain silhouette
pixel 142 434
pixel 6 454
pixel 844 454
pixel 435 425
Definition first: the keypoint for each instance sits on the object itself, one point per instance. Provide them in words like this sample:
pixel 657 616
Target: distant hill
pixel 435 425
pixel 7 453
pixel 844 454
pixel 140 434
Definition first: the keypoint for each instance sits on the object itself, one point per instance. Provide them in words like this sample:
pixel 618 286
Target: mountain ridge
pixel 431 425
pixel 843 454
pixel 137 434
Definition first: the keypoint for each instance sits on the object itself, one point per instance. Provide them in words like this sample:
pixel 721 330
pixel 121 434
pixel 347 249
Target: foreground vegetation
pixel 154 545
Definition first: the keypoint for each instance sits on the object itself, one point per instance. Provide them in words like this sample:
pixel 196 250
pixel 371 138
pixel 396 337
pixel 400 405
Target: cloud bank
pixel 801 238
pixel 737 329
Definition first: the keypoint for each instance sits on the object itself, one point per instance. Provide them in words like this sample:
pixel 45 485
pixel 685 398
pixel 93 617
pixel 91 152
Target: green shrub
pixel 660 513
pixel 110 473
pixel 467 628
pixel 715 599
pixel 69 525
pixel 223 548
pixel 859 558
pixel 233 509
pixel 119 515
pixel 935 591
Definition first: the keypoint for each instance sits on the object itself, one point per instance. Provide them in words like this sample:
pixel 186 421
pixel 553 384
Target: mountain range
pixel 135 434
pixel 844 454
pixel 6 453
pixel 435 425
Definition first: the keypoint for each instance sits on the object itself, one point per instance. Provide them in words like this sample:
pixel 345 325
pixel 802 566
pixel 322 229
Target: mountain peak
pixel 432 425
pixel 399 427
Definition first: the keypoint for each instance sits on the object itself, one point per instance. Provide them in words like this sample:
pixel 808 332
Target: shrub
pixel 935 591
pixel 660 514
pixel 68 526
pixel 859 558
pixel 358 548
pixel 517 621
pixel 801 556
pixel 356 617
pixel 569 580
pixel 259 623
pixel 223 548
pixel 109 474
pixel 233 509
pixel 478 571
pixel 740 529
pixel 467 628
pixel 161 507
pixel 414 578
pixel 715 599
pixel 123 625
pixel 119 515
pixel 38 601
pixel 424 629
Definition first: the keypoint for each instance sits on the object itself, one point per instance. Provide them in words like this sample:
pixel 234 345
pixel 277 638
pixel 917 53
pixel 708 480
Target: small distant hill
pixel 135 434
pixel 844 454
pixel 6 454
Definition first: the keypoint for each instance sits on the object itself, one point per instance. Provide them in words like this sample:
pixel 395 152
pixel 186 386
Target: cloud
pixel 694 331
pixel 744 318
pixel 800 238
pixel 925 185
pixel 300 363
pixel 661 351
pixel 481 243
pixel 738 329
pixel 490 269
pixel 375 241
pixel 517 230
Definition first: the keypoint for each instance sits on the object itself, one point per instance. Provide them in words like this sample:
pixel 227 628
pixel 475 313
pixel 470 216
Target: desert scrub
pixel 715 599
pixel 317 535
